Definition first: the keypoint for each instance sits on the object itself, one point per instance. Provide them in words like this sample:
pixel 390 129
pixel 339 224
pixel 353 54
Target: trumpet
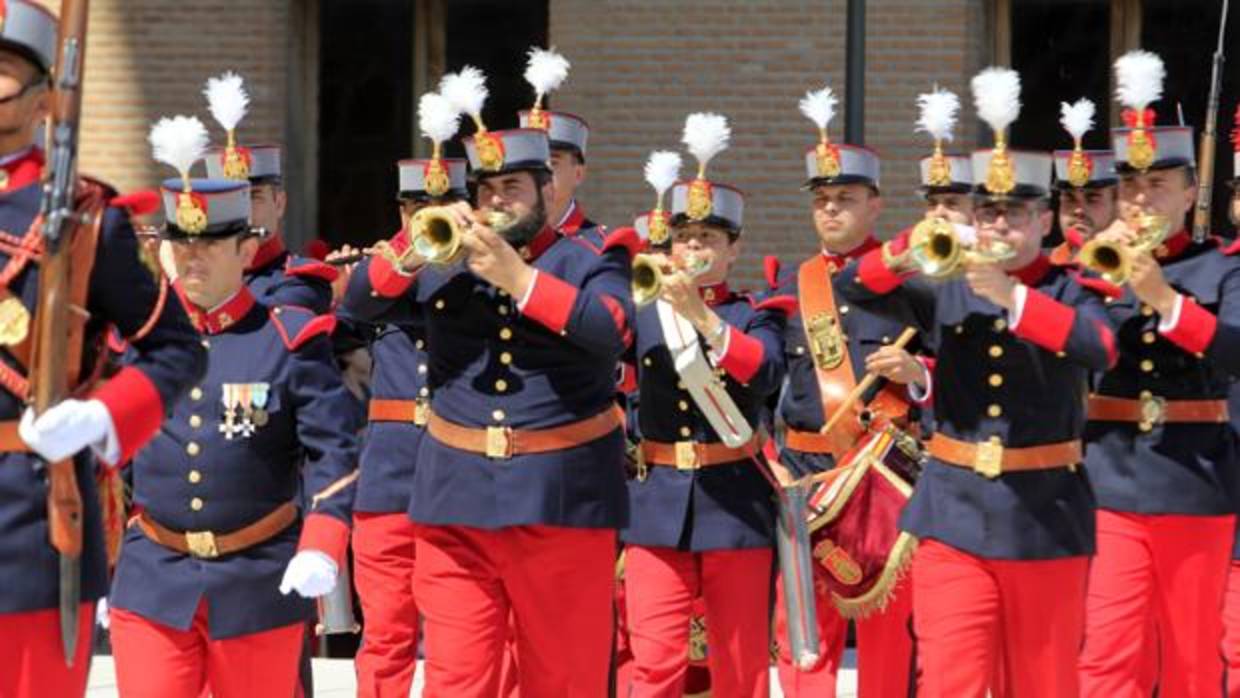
pixel 1113 260
pixel 435 235
pixel 649 272
pixel 936 250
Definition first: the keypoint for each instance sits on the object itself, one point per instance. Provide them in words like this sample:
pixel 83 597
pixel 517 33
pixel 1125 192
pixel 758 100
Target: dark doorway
pixel 365 116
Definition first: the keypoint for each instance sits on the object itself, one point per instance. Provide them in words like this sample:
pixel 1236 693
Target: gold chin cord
pixel 651 271
pixel 1113 260
pixel 936 250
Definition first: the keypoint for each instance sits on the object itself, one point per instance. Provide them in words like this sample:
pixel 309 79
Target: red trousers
pixel 557 582
pixel 1231 630
pixel 383 546
pixel 1171 569
pixel 32 661
pixel 660 586
pixel 156 661
pixel 884 646
pixel 1010 626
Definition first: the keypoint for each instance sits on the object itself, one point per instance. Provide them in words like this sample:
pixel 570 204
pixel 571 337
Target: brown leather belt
pixel 991 458
pixel 692 455
pixel 1149 410
pixel 807 441
pixel 207 545
pixel 407 411
pixel 10 441
pixel 506 442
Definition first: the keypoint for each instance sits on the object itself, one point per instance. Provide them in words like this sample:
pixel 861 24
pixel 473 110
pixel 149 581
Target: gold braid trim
pixel 334 488
pixel 876 599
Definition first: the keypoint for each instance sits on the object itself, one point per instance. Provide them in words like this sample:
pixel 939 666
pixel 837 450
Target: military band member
pixel 569 135
pixel 276 276
pixel 700 511
pixel 200 597
pixel 845 202
pixel 1004 515
pixel 1231 603
pixel 1085 184
pixel 1161 454
pixel 112 418
pixel 383 535
pixel 518 490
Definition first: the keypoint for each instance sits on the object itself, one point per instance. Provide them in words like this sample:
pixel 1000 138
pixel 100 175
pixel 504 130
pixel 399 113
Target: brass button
pixel 421 368
pixel 994 411
pixel 1147 365
pixel 195 504
pixel 206 344
pixel 996 380
pixel 1147 310
pixel 996 351
pixel 498 415
pixel 1000 325
pixel 195 394
pixel 503 310
pixel 195 421
pixel 886 339
pixel 505 333
pixel 843 310
pixel 959 329
pixel 194 477
pixel 501 385
pixel 439 304
pixel 1148 337
pixel 686 432
pixel 419 344
pixel 192 448
pixel 424 391
pixel 505 358
pixel 680 385
pixel 646 361
pixel 683 405
pixel 501 293
pixel 800 351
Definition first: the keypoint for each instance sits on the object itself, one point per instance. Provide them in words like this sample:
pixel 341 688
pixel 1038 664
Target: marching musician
pixel 518 490
pixel 1231 602
pixel 110 419
pixel 1085 184
pixel 700 511
pixel 826 358
pixel 201 595
pixel 1161 453
pixel 1003 512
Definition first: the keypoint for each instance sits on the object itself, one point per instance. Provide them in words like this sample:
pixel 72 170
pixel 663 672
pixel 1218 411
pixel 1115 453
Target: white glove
pixel 101 613
pixel 70 427
pixel 311 573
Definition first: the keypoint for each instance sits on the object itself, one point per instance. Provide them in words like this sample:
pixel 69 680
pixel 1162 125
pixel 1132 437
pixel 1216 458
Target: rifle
pixel 1205 155
pixel 49 372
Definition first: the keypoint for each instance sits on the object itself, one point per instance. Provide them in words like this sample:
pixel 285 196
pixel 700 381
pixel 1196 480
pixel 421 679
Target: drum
pixel 854 521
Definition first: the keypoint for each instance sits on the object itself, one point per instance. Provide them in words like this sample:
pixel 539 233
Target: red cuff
pixel 551 302
pixel 326 534
pixel 1195 330
pixel 627 381
pixel 1045 321
pixel 744 356
pixel 385 280
pixel 135 407
pixel 875 275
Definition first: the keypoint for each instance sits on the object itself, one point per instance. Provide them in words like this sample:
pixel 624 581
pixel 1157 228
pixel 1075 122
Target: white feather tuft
pixel 1139 79
pixel 938 111
pixel 819 106
pixel 546 70
pixel 437 118
pixel 706 135
pixel 662 170
pixel 1077 118
pixel 466 90
pixel 227 99
pixel 996 96
pixel 179 141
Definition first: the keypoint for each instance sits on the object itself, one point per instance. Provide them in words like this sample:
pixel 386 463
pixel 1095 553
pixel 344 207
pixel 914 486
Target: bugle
pixel 936 250
pixel 435 235
pixel 649 272
pixel 1112 260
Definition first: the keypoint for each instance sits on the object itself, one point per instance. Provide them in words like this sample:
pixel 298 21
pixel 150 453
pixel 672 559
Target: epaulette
pixel 783 303
pixel 627 238
pixel 298 325
pixel 310 268
pixel 770 269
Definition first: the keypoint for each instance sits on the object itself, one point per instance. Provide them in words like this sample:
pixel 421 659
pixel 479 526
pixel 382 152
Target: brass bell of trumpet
pixel 649 272
pixel 435 235
pixel 1113 260
pixel 935 249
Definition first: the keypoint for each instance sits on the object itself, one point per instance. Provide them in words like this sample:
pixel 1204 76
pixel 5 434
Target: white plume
pixel 466 91
pixel 227 99
pixel 996 96
pixel 819 106
pixel 662 170
pixel 179 141
pixel 1139 78
pixel 938 111
pixel 546 70
pixel 1077 118
pixel 706 135
pixel 437 118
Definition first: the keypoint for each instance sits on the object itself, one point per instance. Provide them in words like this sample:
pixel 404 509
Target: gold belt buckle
pixel 989 459
pixel 421 411
pixel 1153 411
pixel 499 442
pixel 686 455
pixel 202 544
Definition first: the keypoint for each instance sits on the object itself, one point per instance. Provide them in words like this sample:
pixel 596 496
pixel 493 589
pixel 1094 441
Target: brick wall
pixel 640 66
